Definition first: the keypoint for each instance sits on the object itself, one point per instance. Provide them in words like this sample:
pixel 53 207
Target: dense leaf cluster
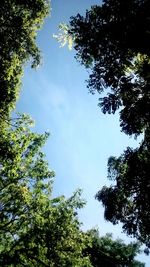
pixel 128 201
pixel 109 41
pixel 19 22
pixel 113 41
pixel 35 229
pixel 112 253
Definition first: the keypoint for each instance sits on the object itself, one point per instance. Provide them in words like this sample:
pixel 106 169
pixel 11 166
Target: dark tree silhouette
pixel 113 42
pixel 107 252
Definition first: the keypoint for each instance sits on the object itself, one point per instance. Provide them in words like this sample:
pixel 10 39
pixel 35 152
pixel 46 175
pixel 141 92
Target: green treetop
pixel 35 229
pixel 107 252
pixel 20 21
pixel 113 41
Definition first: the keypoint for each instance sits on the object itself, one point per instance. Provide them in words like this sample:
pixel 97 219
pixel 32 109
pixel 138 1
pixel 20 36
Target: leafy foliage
pixel 128 201
pixel 63 37
pixel 109 41
pixel 19 22
pixel 113 40
pixel 35 229
pixel 112 253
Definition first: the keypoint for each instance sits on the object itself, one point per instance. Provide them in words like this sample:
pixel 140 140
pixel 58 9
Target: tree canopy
pixel 20 21
pixel 112 41
pixel 127 200
pixel 105 251
pixel 35 229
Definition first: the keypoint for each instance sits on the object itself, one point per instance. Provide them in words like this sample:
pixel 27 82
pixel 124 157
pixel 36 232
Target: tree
pixel 35 229
pixel 107 252
pixel 112 41
pixel 20 21
pixel 127 200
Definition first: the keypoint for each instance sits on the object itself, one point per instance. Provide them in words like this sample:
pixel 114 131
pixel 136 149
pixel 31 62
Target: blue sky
pixel 82 138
